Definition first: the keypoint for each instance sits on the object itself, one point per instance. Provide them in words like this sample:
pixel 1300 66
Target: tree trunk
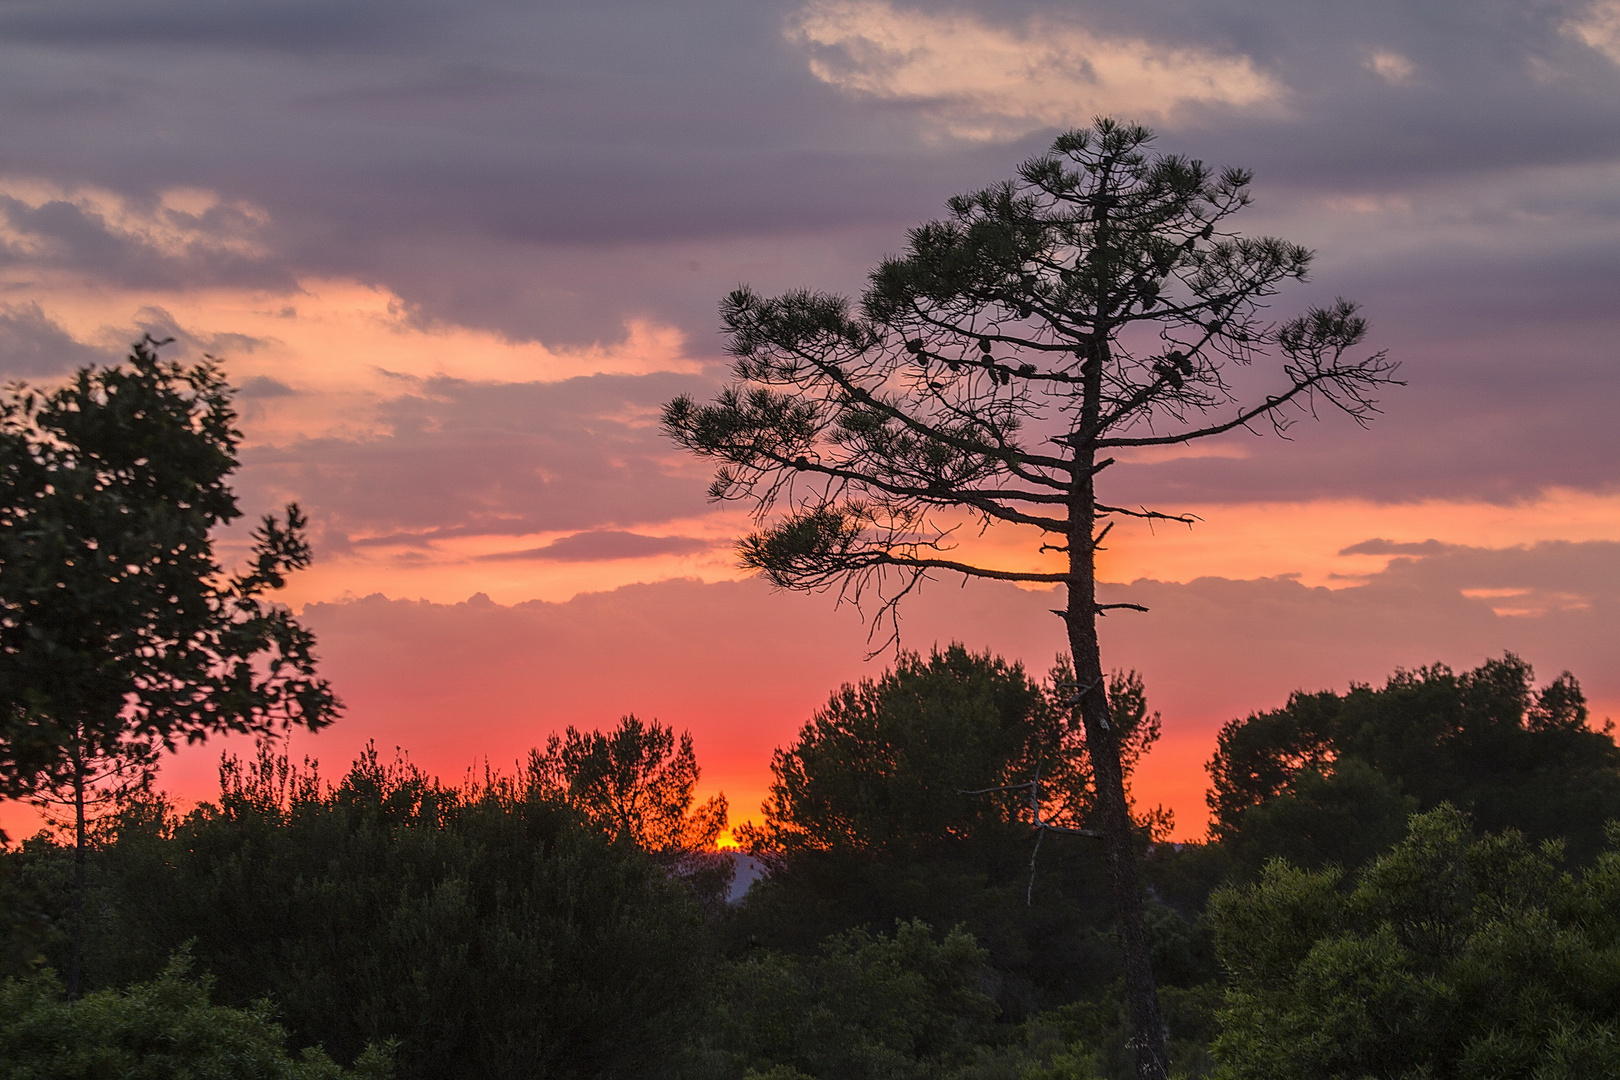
pixel 1115 825
pixel 1118 834
pixel 76 937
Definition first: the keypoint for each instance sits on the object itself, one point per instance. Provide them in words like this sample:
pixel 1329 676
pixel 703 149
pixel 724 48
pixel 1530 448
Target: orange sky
pixel 455 682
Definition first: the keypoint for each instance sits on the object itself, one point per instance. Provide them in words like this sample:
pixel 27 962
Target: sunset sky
pixel 455 256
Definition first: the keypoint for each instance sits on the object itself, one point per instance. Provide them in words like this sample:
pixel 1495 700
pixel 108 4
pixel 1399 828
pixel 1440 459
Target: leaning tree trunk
pixel 1115 825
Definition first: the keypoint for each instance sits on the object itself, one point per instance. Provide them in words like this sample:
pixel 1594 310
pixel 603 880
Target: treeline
pixel 1410 880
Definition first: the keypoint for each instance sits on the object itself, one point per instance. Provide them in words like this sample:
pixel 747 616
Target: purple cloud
pixel 603 545
pixel 32 344
pixel 491 459
pixel 1379 546
pixel 549 170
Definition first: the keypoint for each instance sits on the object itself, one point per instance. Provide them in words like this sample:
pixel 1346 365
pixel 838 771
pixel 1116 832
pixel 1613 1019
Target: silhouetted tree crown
pixel 119 630
pixel 636 782
pixel 895 765
pixel 1331 777
pixel 120 634
pixel 1093 303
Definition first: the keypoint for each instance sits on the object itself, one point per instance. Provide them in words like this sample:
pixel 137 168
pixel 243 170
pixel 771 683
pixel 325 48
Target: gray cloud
pixel 1391 547
pixel 260 387
pixel 1426 446
pixel 60 234
pixel 298 26
pixel 32 343
pixel 480 459
pixel 567 165
pixel 157 323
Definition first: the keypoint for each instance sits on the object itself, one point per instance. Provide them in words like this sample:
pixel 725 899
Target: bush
pixel 1452 956
pixel 868 1007
pixel 488 930
pixel 160 1030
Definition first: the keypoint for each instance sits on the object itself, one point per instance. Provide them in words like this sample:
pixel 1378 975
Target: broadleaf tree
pixel 637 782
pixel 120 633
pixel 1486 741
pixel 1097 302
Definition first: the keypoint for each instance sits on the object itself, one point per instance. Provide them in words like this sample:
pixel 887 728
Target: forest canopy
pixel 1331 778
pixel 513 926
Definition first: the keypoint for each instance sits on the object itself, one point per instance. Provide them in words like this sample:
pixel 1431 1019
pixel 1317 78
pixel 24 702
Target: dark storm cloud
pixel 475 459
pixel 517 123
pixel 615 122
pixel 547 170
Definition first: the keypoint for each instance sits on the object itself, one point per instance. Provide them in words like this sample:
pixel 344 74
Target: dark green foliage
pixel 1450 957
pixel 161 1030
pixel 119 632
pixel 1053 950
pixel 1343 816
pixel 867 1008
pixel 120 635
pixel 889 767
pixel 869 822
pixel 1097 1036
pixel 523 928
pixel 1182 875
pixel 883 768
pixel 25 925
pixel 1087 1040
pixel 637 784
pixel 487 929
pixel 1329 777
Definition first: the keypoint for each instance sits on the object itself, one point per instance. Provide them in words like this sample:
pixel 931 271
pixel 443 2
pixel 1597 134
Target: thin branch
pixel 1270 405
pixel 988 790
pixel 1009 456
pixel 1149 515
pixel 970 570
